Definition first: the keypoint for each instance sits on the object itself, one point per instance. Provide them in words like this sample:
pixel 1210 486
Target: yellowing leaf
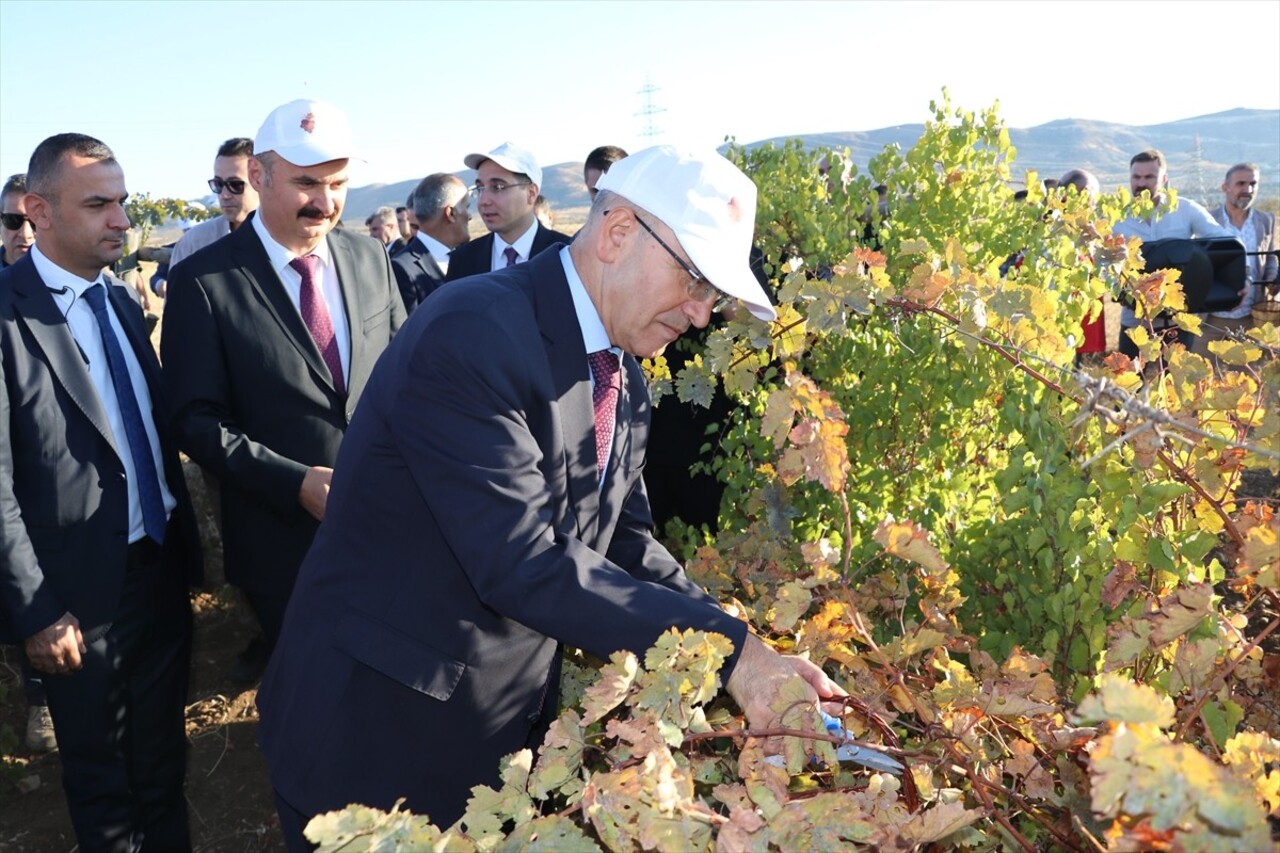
pixel 616 678
pixel 1180 611
pixel 907 541
pixel 790 603
pixel 1121 700
pixel 1235 352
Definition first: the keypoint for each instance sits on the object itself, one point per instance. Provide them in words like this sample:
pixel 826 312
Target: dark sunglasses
pixel 13 221
pixel 235 185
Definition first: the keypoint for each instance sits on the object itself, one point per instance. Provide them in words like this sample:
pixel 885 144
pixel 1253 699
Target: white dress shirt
pixel 67 290
pixel 594 335
pixel 330 289
pixel 523 246
pixel 439 251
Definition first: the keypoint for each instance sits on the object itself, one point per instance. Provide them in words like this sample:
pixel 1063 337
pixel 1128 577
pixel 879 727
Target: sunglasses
pixel 234 185
pixel 13 221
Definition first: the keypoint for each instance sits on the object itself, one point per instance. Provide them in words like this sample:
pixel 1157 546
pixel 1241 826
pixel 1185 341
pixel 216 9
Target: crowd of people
pixel 423 490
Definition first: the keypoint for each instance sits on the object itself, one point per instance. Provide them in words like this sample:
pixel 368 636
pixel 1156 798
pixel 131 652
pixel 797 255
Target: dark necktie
pixel 604 398
pixel 135 431
pixel 316 315
pixel 510 254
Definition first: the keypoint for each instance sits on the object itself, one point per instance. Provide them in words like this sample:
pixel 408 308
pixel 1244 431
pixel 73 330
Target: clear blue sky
pixel 425 83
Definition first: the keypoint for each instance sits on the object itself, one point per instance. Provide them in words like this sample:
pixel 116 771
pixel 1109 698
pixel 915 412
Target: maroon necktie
pixel 316 315
pixel 510 254
pixel 604 398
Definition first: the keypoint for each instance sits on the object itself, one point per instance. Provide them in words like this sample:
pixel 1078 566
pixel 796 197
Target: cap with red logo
pixel 708 203
pixel 306 133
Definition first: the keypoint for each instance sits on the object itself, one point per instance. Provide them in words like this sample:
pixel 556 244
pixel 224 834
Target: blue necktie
pixel 144 465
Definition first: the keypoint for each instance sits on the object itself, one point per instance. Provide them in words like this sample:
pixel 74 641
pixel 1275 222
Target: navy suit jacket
pixel 63 494
pixel 253 402
pixel 476 256
pixel 417 273
pixel 465 539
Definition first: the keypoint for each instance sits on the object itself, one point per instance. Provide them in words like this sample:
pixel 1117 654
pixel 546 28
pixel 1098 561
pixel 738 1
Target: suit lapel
pixel 349 281
pixel 52 334
pixel 252 259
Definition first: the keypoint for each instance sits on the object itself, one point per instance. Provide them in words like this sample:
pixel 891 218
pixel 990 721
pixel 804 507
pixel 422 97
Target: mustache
pixel 310 212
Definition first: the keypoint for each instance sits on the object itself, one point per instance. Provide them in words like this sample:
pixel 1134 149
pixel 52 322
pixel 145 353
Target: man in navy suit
pixel 508 180
pixel 98 540
pixel 270 335
pixel 440 206
pixel 487 507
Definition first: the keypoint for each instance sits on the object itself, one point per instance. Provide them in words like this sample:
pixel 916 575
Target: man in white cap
pixel 489 508
pixel 269 337
pixel 508 181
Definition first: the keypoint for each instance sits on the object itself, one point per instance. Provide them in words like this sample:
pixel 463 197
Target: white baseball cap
pixel 306 133
pixel 708 203
pixel 511 157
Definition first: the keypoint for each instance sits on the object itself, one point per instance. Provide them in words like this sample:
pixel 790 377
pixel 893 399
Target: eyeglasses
pixel 700 290
pixel 497 187
pixel 234 185
pixel 13 221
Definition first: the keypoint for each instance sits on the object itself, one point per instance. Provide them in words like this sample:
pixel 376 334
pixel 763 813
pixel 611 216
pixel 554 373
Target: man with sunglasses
pixel 18 232
pixel 236 198
pixel 508 181
pixel 488 507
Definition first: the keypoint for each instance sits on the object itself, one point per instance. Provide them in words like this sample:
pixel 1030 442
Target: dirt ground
pixel 228 795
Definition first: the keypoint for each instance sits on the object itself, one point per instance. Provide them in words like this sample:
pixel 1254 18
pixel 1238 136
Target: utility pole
pixel 650 132
pixel 1197 173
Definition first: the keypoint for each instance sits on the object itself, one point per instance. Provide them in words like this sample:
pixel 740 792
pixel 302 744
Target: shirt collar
pixel 56 278
pixel 438 250
pixel 594 335
pixel 279 255
pixel 523 244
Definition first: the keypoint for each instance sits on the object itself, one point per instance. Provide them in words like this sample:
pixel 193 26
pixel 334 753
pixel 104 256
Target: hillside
pixel 1104 148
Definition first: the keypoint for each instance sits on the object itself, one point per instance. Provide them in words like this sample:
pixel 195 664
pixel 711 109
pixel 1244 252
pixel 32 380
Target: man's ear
pixel 39 211
pixel 612 235
pixel 255 173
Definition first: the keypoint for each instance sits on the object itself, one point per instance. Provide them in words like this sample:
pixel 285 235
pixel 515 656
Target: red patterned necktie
pixel 316 315
pixel 604 398
pixel 510 254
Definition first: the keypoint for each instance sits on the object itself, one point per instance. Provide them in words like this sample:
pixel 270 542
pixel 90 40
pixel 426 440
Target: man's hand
pixel 763 680
pixel 57 649
pixel 144 294
pixel 314 493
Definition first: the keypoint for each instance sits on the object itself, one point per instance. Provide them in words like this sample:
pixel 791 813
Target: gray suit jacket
pixel 63 495
pixel 1267 239
pixel 253 402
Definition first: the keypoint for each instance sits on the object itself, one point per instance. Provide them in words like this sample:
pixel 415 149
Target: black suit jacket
pixel 466 537
pixel 476 256
pixel 252 399
pixel 63 495
pixel 417 273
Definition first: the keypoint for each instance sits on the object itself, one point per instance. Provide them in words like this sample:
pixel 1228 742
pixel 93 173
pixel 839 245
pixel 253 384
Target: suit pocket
pixel 375 321
pixel 398 656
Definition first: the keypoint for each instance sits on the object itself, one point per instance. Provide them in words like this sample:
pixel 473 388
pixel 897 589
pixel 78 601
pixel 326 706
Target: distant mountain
pixel 561 184
pixel 1104 148
pixel 1199 151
